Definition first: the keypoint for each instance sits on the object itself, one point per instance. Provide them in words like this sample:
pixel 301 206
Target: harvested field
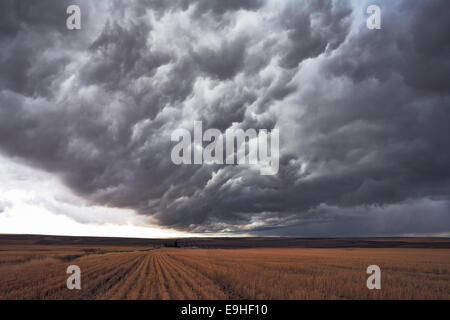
pixel 110 272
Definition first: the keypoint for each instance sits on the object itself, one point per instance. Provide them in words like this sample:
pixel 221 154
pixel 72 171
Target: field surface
pixel 38 271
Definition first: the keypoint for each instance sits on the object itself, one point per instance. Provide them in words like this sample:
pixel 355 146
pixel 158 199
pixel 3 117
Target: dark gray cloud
pixel 362 114
pixel 417 48
pixel 313 27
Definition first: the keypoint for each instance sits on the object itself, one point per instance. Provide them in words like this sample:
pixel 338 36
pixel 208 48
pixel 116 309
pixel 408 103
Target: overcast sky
pixel 86 117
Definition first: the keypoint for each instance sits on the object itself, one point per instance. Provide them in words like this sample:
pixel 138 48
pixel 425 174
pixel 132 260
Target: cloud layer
pixel 363 114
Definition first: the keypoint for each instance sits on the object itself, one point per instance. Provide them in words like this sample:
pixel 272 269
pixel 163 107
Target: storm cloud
pixel 363 114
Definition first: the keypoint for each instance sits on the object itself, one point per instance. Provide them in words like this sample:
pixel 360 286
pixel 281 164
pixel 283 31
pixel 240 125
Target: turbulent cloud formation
pixel 362 114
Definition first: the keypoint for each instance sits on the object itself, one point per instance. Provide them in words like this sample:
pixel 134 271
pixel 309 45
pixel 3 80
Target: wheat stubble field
pixel 31 269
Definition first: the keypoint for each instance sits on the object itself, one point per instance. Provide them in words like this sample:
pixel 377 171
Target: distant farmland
pixel 35 268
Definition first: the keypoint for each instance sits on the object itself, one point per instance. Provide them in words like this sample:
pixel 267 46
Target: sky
pixel 86 117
